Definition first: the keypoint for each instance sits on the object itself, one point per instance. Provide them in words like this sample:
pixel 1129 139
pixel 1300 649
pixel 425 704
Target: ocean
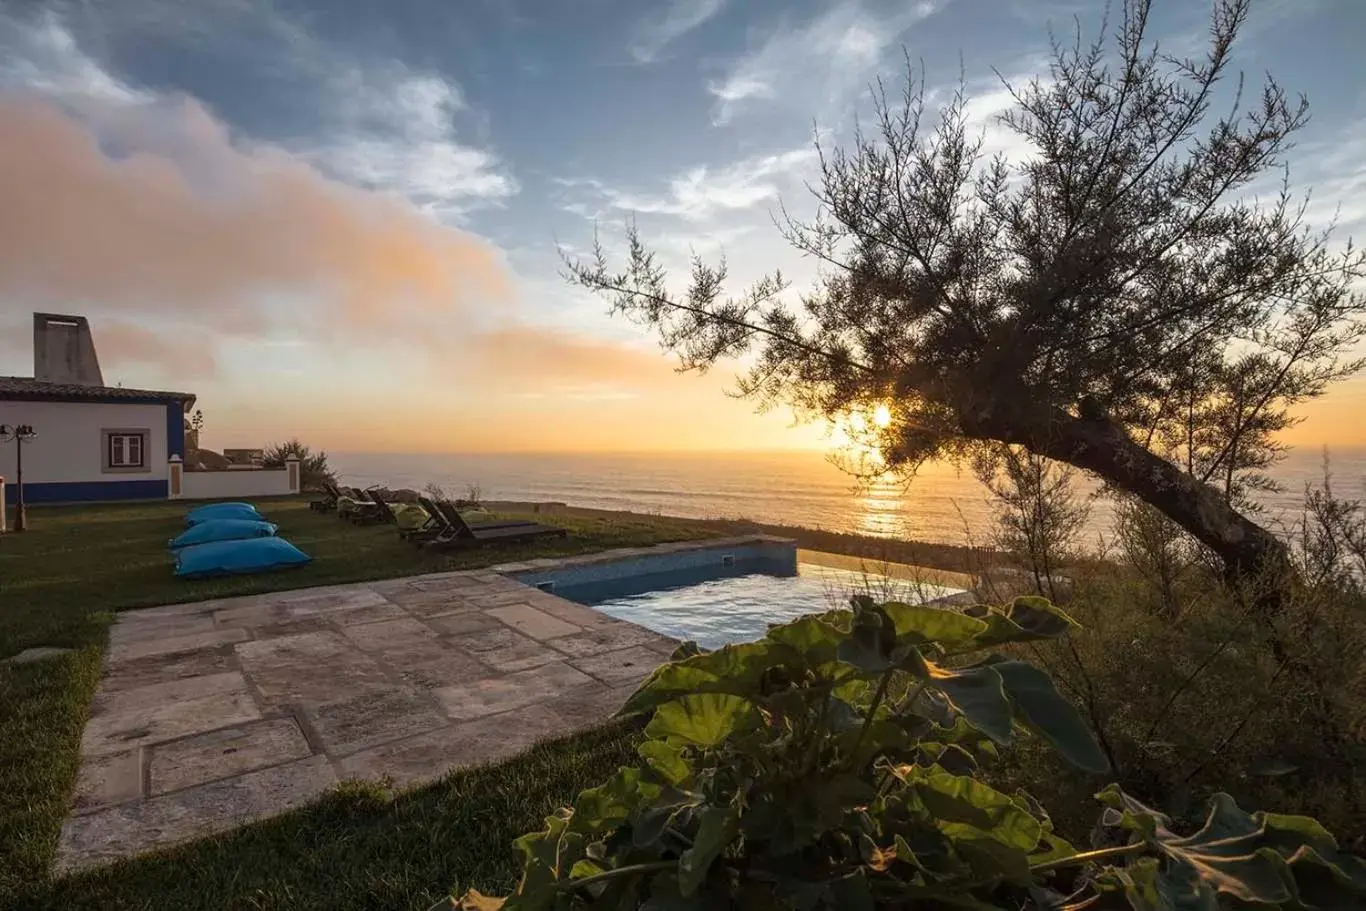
pixel 941 504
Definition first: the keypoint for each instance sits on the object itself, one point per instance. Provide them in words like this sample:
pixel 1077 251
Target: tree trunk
pixel 1103 448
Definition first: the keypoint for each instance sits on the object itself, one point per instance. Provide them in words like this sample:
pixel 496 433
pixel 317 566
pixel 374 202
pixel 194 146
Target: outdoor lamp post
pixel 20 434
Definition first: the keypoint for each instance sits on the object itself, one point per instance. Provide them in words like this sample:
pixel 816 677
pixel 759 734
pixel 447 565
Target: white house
pixel 98 442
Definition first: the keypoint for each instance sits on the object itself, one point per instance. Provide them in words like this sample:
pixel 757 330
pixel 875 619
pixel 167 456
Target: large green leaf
pixel 612 802
pixel 1026 619
pixel 1043 709
pixel 1264 859
pixel 666 760
pixel 814 638
pixel 703 720
pixel 543 854
pixel 870 642
pixel 716 827
pixel 921 624
pixel 960 803
pixel 979 696
pixel 734 669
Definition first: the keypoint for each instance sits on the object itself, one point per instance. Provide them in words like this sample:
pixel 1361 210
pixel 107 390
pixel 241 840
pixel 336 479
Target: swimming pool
pixel 723 596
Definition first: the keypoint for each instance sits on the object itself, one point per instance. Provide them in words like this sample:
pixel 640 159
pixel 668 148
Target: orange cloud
pixel 181 356
pixel 516 356
pixel 200 225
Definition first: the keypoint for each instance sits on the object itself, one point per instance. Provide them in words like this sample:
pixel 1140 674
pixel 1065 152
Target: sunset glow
pixel 384 274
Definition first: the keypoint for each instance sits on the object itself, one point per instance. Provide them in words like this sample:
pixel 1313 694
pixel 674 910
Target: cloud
pixel 393 129
pixel 530 361
pixel 214 229
pixel 818 63
pixel 680 18
pixel 179 354
pixel 703 192
pixel 375 123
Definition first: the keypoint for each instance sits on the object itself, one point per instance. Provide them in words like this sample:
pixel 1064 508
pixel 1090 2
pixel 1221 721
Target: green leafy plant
pixel 834 764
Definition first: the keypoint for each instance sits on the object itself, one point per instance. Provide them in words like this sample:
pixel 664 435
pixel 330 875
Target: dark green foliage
pixel 313 468
pixel 833 764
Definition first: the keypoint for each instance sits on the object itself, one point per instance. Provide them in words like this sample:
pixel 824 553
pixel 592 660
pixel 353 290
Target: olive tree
pixel 1123 299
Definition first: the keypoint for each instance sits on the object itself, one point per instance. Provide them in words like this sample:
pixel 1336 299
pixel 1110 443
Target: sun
pixel 882 416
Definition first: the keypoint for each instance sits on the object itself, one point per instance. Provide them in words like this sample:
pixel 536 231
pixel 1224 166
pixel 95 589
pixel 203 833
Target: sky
pixel 342 220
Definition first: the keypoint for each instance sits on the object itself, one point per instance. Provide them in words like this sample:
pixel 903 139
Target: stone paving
pixel 215 713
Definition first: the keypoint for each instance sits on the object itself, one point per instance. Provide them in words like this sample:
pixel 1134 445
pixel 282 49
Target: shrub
pixel 836 764
pixel 313 468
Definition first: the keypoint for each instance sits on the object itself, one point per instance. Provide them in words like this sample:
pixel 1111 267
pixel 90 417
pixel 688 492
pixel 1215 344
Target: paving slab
pixel 460 583
pixel 429 668
pixel 525 653
pixel 224 753
pixel 522 595
pixel 456 623
pixel 158 721
pixel 330 603
pixel 531 622
pixel 315 624
pixel 388 587
pixel 105 781
pixel 426 757
pixel 350 725
pixel 130 627
pixel 568 611
pixel 477 698
pixel 129 651
pixel 128 829
pixel 629 665
pixel 310 669
pixel 419 603
pixel 390 634
pixel 249 614
pixel 606 638
pixel 127 675
pixel 590 706
pixel 368 614
pixel 167 692
pixel 184 609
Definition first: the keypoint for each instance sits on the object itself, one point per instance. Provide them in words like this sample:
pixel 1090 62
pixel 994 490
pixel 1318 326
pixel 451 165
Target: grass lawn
pixel 61 582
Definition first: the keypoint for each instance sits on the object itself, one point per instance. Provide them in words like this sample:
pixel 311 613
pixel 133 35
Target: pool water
pixel 716 605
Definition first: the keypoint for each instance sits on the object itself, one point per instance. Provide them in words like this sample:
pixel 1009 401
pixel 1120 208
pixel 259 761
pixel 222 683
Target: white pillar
pixel 175 478
pixel 292 474
pixel 4 507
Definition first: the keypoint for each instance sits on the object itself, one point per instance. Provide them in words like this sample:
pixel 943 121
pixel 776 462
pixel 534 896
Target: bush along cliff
pixel 835 764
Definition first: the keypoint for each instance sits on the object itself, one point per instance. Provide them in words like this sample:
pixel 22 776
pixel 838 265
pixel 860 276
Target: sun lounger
pixel 373 510
pixel 461 533
pixel 435 526
pixel 331 494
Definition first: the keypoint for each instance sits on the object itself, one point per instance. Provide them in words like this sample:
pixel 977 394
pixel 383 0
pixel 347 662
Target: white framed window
pixel 125 450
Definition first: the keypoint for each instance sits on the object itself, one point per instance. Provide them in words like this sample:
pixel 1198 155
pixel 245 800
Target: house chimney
pixel 63 350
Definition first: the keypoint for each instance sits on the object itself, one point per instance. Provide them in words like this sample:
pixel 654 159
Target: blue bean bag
pixel 223 530
pixel 229 558
pixel 221 511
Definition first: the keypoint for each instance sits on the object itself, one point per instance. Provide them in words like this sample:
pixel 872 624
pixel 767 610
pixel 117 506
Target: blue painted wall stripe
pixel 84 491
pixel 175 431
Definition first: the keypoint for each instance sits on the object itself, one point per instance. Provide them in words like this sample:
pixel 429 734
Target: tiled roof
pixel 26 388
